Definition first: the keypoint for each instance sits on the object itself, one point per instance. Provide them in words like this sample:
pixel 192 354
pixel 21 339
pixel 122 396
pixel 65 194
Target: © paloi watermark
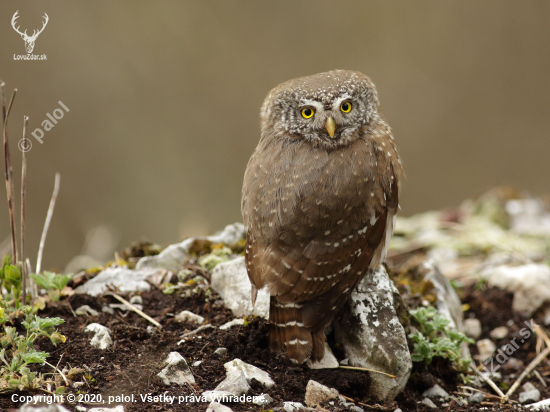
pixel 26 144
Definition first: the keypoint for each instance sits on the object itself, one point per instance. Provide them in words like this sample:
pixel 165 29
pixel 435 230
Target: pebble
pixel 102 339
pixel 486 348
pixel 218 407
pixel 177 370
pixel 220 352
pixel 476 397
pixel 428 402
pixel 530 394
pixel 472 327
pixel 436 392
pixel 136 300
pixel 263 399
pixel 292 406
pixel 108 310
pixel 197 363
pixel 499 333
pixel 234 322
pixel 317 393
pixel 187 316
pixel 86 310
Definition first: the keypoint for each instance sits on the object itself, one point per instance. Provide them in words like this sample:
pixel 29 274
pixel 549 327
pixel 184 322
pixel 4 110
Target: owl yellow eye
pixel 345 107
pixel 307 112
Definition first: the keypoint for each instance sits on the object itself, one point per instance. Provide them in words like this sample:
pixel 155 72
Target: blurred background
pixel 164 102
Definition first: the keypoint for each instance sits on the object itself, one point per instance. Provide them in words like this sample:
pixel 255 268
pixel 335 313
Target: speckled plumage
pixel 319 210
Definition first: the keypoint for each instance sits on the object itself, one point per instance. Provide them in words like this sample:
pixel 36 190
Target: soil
pixel 130 366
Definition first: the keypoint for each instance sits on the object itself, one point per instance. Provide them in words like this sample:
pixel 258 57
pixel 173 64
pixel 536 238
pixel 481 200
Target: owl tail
pixel 288 333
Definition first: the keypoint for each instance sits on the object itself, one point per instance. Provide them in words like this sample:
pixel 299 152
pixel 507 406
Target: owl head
pixel 328 109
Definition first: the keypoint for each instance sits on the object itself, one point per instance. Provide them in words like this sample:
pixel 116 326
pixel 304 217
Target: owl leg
pixel 288 331
pixel 318 339
pixel 253 294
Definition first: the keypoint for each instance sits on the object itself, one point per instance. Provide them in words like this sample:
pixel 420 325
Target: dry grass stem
pixel 139 312
pixel 47 222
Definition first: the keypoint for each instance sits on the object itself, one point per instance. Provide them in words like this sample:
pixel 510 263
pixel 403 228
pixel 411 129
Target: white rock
pixel 221 351
pixel 428 402
pixel 499 333
pixel 108 310
pixel 530 393
pixel 292 406
pixel 234 383
pixel 250 372
pixel 436 392
pixel 102 338
pixel 486 348
pixel 197 363
pixel 329 361
pixel 317 393
pixel 43 408
pixel 136 300
pixel 216 396
pixel 372 337
pixel 218 407
pixel 177 370
pixel 173 256
pixel 187 316
pixel 344 362
pixel 262 399
pixel 86 310
pixel 529 283
pixel 472 328
pixel 230 280
pixel 126 280
pixel 234 322
pixel 119 408
pixel 528 216
pixel 542 405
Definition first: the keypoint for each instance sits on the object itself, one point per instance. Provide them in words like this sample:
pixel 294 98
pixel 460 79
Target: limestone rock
pixel 230 280
pixel 292 406
pixel 499 333
pixel 436 392
pixel 176 371
pixel 102 338
pixel 43 408
pixel 187 316
pixel 317 393
pixel 173 256
pixel 250 372
pixel 429 403
pixel 234 383
pixel 329 361
pixel 86 310
pixel 372 337
pixel 124 279
pixel 262 399
pixel 486 348
pixel 472 328
pixel 530 393
pixel 529 283
pixel 218 407
pixel 230 324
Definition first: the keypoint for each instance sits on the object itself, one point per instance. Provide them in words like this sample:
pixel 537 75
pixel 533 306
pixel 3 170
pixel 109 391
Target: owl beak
pixel 330 126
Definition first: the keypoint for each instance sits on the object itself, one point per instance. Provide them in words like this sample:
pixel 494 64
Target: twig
pixel 23 198
pixel 537 374
pixel 9 179
pixel 139 312
pixel 58 370
pixel 366 369
pixel 194 332
pixel 528 370
pixel 47 223
pixel 489 381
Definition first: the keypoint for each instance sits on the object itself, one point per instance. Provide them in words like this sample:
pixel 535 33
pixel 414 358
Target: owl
pixel 319 200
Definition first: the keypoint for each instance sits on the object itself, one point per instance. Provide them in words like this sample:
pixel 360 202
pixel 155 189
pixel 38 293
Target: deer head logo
pixel 29 40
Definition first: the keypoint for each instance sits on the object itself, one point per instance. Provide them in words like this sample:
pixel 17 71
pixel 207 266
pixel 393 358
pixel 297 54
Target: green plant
pixel 18 351
pixel 52 282
pixel 10 279
pixel 435 339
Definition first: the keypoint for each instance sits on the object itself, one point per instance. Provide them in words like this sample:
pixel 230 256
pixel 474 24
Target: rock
pixel 250 372
pixel 263 399
pixel 529 216
pixel 86 310
pixel 542 405
pixel 108 310
pixel 530 393
pixel 197 363
pixel 234 322
pixel 486 348
pixel 186 316
pixel 230 280
pixel 329 361
pixel 218 407
pixel 173 256
pixel 177 371
pixel 428 402
pixel 124 279
pixel 436 392
pixel 214 396
pixel 292 406
pixel 499 333
pixel 476 397
pixel 234 383
pixel 317 393
pixel 344 362
pixel 472 328
pixel 355 408
pixel 372 337
pixel 43 408
pixel 529 284
pixel 220 351
pixel 136 300
pixel 514 364
pixel 102 338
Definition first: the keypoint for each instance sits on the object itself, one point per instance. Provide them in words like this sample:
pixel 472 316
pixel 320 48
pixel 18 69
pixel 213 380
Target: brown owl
pixel 319 199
